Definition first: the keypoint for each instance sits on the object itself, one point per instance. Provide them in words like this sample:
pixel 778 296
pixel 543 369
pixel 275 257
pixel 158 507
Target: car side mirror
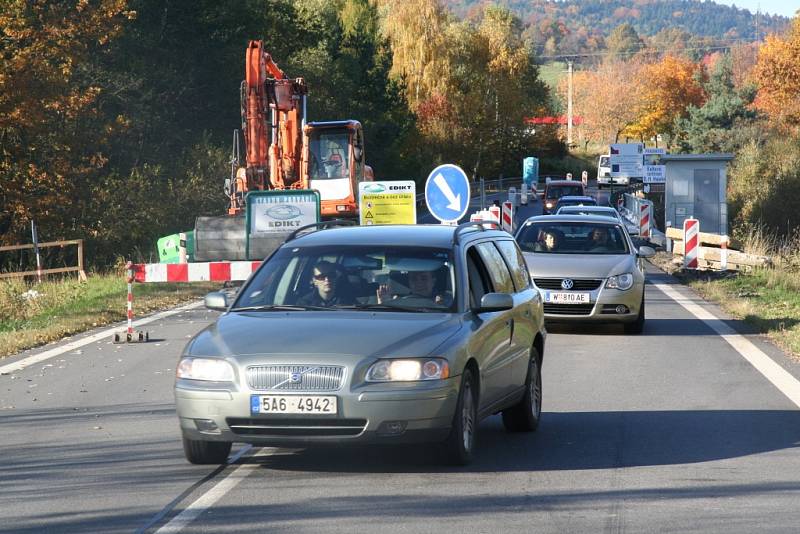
pixel 646 252
pixel 492 302
pixel 216 301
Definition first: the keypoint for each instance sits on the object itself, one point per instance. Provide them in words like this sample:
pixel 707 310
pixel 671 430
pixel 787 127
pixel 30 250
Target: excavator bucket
pixel 220 238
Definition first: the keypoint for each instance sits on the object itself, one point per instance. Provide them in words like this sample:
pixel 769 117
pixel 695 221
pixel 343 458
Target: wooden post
pixel 81 271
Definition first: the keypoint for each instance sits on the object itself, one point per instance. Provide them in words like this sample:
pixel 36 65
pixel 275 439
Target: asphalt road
pixel 672 430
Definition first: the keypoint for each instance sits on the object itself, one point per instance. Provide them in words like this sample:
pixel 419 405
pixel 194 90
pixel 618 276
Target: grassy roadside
pixel 33 315
pixel 766 299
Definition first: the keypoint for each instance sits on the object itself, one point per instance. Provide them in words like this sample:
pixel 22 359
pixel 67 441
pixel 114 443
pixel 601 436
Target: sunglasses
pixel 329 276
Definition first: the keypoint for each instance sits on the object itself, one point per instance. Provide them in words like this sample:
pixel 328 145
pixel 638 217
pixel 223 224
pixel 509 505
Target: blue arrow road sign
pixel 447 193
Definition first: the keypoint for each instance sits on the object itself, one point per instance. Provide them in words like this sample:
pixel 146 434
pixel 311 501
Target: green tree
pixel 623 41
pixel 713 126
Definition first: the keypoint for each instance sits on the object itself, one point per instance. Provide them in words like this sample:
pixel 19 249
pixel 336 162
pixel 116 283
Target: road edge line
pixel 72 345
pixel 769 368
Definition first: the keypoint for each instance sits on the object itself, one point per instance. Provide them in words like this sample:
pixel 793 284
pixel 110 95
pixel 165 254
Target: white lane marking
pixel 207 500
pixel 780 378
pixel 105 334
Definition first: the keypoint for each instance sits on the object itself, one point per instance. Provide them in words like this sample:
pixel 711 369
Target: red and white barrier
pixel 129 267
pixel 495 211
pixel 644 220
pixel 691 240
pixel 507 222
pixel 218 271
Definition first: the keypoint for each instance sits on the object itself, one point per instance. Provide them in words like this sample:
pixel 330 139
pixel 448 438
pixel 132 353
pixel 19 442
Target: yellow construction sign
pixel 387 202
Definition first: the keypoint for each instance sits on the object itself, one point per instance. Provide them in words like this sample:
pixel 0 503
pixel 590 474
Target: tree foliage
pixel 714 126
pixel 669 87
pixel 778 72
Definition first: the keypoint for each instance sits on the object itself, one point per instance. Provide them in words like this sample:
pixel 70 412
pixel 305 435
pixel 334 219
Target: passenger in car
pixel 549 241
pixel 329 287
pixel 600 241
pixel 422 286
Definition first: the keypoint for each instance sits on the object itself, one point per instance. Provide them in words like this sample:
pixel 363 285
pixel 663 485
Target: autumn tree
pixel 416 30
pixel 778 75
pixel 669 87
pixel 607 99
pixel 49 120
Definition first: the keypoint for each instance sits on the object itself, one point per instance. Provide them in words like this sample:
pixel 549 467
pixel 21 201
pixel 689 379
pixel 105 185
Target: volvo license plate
pixel 294 404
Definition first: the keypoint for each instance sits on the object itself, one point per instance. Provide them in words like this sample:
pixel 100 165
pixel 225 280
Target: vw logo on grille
pixel 567 283
pixel 296 378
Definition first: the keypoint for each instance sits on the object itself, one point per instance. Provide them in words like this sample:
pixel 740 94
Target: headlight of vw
pixel 408 370
pixel 205 369
pixel 621 281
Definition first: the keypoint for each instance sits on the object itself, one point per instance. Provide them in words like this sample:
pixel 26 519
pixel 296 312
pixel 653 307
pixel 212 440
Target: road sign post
pixel 447 193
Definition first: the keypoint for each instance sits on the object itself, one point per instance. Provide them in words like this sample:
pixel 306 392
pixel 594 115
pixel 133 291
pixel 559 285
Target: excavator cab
pixel 336 165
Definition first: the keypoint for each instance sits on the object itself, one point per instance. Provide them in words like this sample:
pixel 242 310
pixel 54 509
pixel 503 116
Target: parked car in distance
pixel 368 334
pixel 603 170
pixel 587 269
pixel 572 200
pixel 599 211
pixel 555 189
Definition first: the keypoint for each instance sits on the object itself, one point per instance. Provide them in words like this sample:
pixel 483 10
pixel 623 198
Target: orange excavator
pixel 283 151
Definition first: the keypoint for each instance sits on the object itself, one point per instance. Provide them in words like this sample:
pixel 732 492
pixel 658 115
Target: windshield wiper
pixel 279 307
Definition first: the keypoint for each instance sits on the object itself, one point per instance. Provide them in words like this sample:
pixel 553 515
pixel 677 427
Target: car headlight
pixel 408 370
pixel 212 369
pixel 620 281
pixel 548 205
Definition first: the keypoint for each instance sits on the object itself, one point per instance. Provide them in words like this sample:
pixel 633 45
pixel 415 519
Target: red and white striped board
pixel 495 211
pixel 644 220
pixel 691 231
pixel 507 221
pixel 217 271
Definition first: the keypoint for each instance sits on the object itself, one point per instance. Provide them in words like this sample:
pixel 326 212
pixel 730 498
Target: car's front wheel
pixel 525 415
pixel 460 442
pixel 206 452
pixel 637 326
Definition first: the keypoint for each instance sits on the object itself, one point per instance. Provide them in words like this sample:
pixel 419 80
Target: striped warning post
pixel 216 271
pixel 508 216
pixel 644 220
pixel 129 267
pixel 691 230
pixel 495 211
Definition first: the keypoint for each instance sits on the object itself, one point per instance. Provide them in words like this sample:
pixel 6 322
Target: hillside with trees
pixel 578 26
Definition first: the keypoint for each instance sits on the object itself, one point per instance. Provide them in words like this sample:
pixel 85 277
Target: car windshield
pixel 558 191
pixel 374 278
pixel 572 238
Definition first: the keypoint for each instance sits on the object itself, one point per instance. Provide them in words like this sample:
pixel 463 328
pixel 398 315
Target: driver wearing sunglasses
pixel 328 287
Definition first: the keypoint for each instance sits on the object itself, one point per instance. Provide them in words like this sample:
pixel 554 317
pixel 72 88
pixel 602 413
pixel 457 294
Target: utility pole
pixel 569 105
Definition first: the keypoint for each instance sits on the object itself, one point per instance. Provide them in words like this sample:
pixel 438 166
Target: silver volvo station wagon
pixel 375 334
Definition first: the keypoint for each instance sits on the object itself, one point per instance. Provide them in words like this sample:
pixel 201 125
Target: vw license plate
pixel 567 298
pixel 294 404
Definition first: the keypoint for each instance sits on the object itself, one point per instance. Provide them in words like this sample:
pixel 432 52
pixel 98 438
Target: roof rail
pixel 467 225
pixel 322 225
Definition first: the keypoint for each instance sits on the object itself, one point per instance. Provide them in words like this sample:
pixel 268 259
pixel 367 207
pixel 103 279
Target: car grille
pixel 278 377
pixel 578 285
pixel 568 309
pixel 300 427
